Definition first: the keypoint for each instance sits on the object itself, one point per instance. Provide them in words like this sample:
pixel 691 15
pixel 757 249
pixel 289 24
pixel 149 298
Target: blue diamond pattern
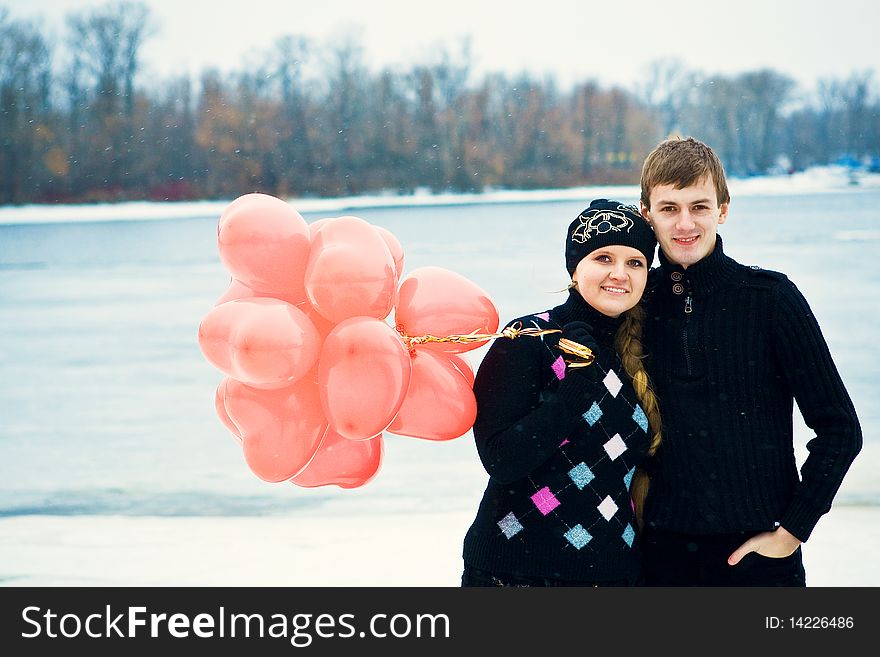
pixel 628 535
pixel 510 525
pixel 592 416
pixel 578 536
pixel 581 475
pixel 641 420
pixel 628 478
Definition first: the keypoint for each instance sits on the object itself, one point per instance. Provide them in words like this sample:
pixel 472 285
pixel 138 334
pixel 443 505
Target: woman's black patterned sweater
pixel 560 447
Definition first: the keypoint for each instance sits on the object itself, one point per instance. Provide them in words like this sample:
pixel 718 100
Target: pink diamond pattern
pixel 545 500
pixel 559 368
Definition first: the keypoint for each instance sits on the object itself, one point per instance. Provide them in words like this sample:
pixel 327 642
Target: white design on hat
pixel 601 222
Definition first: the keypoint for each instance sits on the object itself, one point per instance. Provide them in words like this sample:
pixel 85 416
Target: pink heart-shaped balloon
pixel 261 341
pixel 439 403
pixel 350 271
pixel 439 302
pixel 364 371
pixel 342 462
pixel 264 243
pixel 280 428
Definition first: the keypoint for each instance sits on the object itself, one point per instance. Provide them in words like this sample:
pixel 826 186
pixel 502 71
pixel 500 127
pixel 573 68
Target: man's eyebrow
pixel 699 200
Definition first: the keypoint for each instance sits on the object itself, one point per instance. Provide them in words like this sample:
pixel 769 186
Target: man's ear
pixel 644 210
pixel 725 208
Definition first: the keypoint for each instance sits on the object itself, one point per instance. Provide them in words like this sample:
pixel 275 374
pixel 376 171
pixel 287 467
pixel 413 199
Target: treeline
pixel 311 120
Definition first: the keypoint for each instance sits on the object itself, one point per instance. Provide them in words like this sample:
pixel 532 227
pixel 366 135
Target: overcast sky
pixel 611 41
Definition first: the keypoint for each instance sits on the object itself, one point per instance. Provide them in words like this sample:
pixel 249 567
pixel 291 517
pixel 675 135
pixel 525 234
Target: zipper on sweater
pixel 688 309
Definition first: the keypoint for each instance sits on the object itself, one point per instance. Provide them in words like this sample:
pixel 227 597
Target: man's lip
pixel 693 239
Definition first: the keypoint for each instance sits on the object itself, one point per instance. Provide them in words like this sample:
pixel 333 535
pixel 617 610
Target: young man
pixel 729 349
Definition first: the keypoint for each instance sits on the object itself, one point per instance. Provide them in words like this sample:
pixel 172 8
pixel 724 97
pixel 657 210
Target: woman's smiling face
pixel 612 278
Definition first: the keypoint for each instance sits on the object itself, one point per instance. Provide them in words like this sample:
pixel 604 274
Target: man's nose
pixel 685 220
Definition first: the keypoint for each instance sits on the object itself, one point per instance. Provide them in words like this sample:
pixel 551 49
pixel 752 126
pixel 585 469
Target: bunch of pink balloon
pixel 314 374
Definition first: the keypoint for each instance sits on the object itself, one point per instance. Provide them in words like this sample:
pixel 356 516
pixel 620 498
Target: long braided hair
pixel 628 343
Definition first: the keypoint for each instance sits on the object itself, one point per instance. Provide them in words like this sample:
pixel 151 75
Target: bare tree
pixel 429 160
pixel 291 159
pixel 858 124
pixel 106 44
pixel 668 89
pixel 25 139
pixel 763 94
pixel 342 130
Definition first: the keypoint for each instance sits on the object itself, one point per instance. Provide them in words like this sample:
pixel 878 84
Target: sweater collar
pixel 576 309
pixel 700 278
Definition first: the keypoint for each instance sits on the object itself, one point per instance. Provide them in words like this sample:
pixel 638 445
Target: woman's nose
pixel 618 272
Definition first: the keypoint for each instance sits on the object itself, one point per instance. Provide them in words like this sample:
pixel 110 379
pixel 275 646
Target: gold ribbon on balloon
pixel 576 349
pixel 515 330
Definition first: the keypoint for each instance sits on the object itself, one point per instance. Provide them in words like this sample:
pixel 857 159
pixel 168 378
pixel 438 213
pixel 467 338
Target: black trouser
pixel 477 577
pixel 673 559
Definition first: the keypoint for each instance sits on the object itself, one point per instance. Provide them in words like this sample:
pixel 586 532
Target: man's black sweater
pixel 560 447
pixel 729 349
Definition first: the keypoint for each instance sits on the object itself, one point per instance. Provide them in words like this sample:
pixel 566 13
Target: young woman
pixel 561 439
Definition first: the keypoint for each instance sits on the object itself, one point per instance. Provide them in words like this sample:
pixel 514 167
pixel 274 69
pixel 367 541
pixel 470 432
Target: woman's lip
pixel 614 290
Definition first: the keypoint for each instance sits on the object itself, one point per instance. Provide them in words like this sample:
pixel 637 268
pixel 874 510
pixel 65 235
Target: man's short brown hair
pixel 681 162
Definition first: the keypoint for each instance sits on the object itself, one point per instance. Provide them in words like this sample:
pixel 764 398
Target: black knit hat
pixel 606 223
